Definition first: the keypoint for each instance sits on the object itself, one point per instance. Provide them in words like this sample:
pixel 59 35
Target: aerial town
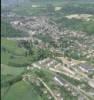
pixel 47 51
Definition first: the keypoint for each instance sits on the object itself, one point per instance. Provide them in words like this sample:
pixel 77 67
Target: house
pixel 60 81
pixel 86 68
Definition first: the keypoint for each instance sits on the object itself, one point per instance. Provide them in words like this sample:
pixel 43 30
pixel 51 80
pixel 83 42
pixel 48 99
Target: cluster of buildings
pixel 34 25
pixel 56 66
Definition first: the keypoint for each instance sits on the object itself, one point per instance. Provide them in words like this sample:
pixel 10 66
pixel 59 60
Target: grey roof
pixel 61 79
pixel 87 66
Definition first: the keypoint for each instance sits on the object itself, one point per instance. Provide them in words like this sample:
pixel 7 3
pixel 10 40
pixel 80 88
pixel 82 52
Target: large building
pixel 86 68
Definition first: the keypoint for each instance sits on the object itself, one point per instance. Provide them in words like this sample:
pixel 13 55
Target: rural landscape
pixel 47 49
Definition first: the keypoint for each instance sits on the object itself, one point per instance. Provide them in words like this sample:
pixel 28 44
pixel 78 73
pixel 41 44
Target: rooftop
pixel 87 67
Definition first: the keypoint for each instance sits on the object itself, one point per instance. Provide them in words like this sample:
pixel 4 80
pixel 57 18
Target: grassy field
pixel 10 51
pixel 7 70
pixel 13 55
pixel 21 91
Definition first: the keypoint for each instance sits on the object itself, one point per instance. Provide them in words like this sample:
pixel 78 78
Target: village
pixel 61 66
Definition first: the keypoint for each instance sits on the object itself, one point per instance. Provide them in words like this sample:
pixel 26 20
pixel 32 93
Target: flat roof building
pixel 86 68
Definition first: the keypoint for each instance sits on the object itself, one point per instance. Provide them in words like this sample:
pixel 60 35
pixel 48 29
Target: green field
pixel 21 91
pixel 11 52
pixel 7 70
